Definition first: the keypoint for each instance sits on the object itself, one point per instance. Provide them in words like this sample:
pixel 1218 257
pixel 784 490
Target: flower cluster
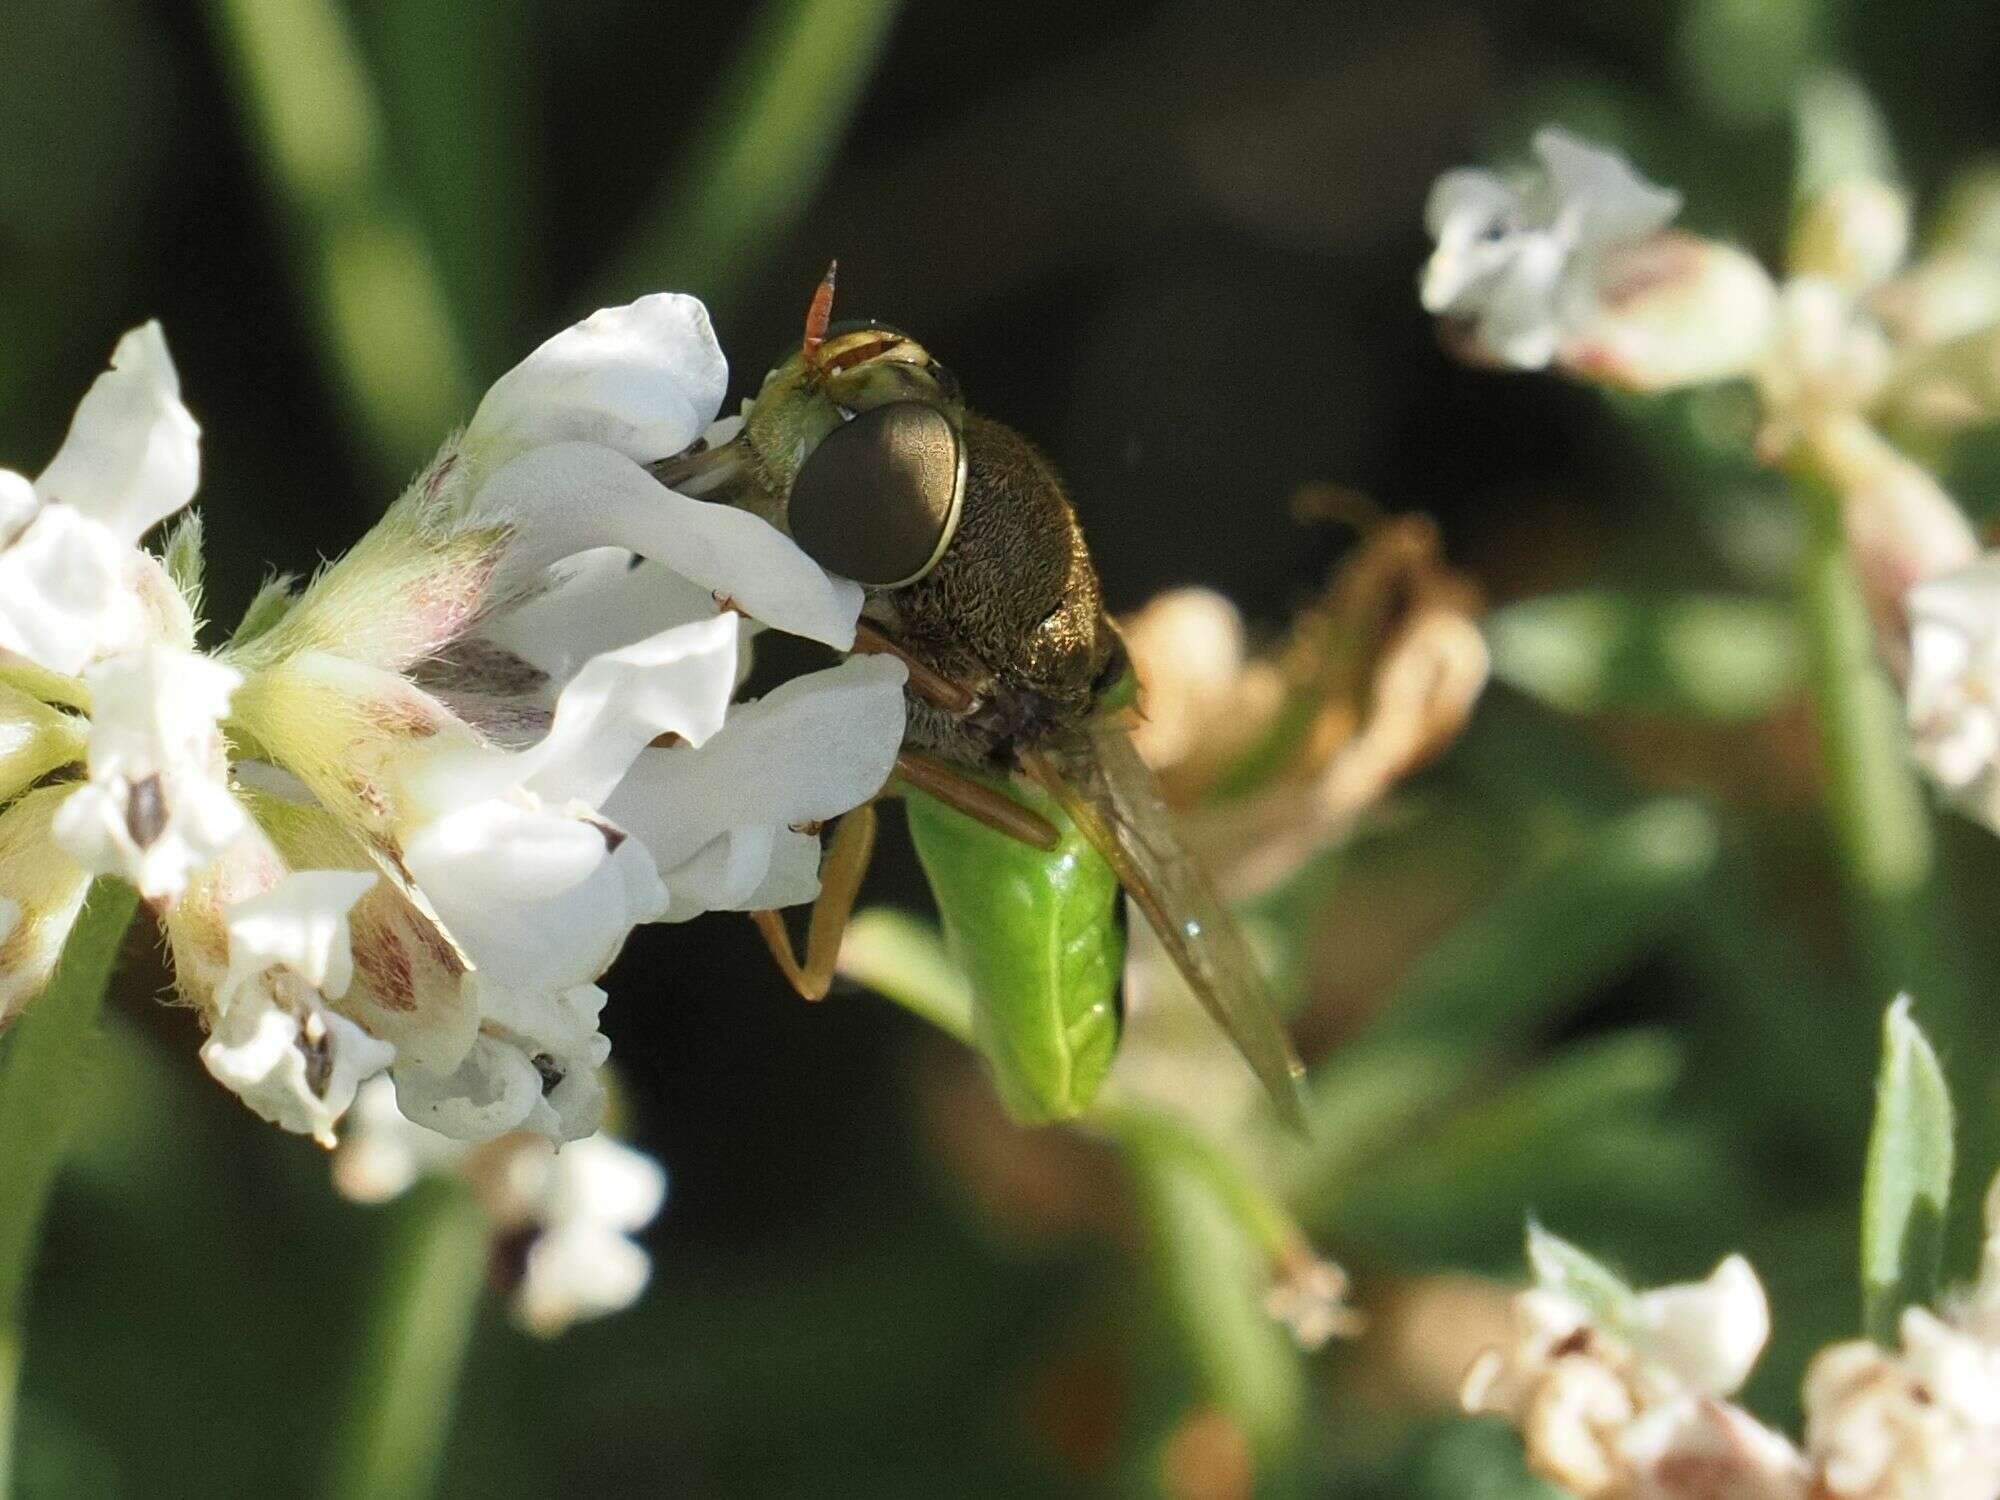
pixel 406 817
pixel 1620 1394
pixel 1573 267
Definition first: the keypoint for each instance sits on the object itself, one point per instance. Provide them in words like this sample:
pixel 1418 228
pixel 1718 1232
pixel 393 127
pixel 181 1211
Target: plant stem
pixel 397 1416
pixel 43 1057
pixel 1881 823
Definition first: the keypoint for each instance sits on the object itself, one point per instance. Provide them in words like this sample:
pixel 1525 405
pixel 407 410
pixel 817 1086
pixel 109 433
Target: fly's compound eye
pixel 879 499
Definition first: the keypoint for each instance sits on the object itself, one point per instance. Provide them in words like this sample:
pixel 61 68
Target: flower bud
pixel 1854 234
pixel 35 738
pixel 1670 311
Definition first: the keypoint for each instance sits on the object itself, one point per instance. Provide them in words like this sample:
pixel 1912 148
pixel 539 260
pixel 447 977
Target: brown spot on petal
pixel 613 834
pixel 384 965
pixel 440 471
pixel 146 811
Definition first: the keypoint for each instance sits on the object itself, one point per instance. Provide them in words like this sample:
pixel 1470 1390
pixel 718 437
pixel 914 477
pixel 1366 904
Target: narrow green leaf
pixel 384 317
pixel 1881 821
pixel 904 958
pixel 1908 1178
pixel 1705 656
pixel 1558 931
pixel 397 1417
pixel 774 128
pixel 44 1062
pixel 1212 1277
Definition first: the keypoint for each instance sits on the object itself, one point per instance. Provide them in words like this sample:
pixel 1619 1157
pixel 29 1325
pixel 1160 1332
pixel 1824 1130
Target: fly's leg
pixel 840 876
pixel 976 800
pixel 954 788
pixel 926 682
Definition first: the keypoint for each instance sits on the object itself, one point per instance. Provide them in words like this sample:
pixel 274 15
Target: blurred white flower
pixel 74 586
pixel 157 805
pixel 1625 1400
pixel 565 1216
pixel 1922 1421
pixel 1517 260
pixel 1952 697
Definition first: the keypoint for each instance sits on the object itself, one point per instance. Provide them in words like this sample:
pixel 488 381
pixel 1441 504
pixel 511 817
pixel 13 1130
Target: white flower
pixel 568 1212
pixel 1924 1422
pixel 591 1196
pixel 73 585
pixel 274 1040
pixel 157 805
pixel 1517 260
pixel 1624 1399
pixel 1953 694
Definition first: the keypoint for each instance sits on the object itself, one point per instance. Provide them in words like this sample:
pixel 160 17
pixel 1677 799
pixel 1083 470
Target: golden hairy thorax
pixel 1013 609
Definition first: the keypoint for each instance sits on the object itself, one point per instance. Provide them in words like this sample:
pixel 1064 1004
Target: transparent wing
pixel 1113 796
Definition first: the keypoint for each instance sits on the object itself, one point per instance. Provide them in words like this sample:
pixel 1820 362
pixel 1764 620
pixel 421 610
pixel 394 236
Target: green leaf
pixel 1705 656
pixel 1559 931
pixel 1212 1277
pixel 1908 1179
pixel 749 175
pixel 1558 1266
pixel 905 959
pixel 385 321
pixel 45 1061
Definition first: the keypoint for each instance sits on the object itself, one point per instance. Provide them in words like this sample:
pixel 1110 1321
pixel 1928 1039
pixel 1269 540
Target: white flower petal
pixel 301 1075
pixel 1607 198
pixel 381 1152
pixel 571 497
pixel 599 601
pixel 809 751
pixel 18 504
pixel 643 379
pixel 64 599
pixel 300 924
pixel 579 1273
pixel 1708 1333
pixel 540 900
pixel 1515 261
pixel 133 454
pixel 603 1182
pixel 489 1094
pixel 157 806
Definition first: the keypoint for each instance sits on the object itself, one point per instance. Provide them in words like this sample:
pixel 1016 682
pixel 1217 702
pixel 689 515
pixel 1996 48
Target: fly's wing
pixel 1114 799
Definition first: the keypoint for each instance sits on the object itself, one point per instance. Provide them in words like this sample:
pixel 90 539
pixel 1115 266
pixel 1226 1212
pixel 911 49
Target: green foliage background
pixel 1598 968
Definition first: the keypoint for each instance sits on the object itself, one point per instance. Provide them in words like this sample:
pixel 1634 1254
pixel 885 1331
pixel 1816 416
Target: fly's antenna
pixel 819 314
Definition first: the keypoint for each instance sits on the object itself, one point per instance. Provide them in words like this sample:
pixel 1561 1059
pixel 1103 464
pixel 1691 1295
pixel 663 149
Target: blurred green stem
pixel 1881 824
pixel 43 1061
pixel 384 318
pixel 767 140
pixel 412 1347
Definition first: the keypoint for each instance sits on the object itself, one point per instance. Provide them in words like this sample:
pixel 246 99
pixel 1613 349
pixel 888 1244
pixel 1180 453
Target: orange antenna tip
pixel 820 313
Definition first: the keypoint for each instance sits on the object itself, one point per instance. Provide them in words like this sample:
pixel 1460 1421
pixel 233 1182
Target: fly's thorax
pixel 1013 610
